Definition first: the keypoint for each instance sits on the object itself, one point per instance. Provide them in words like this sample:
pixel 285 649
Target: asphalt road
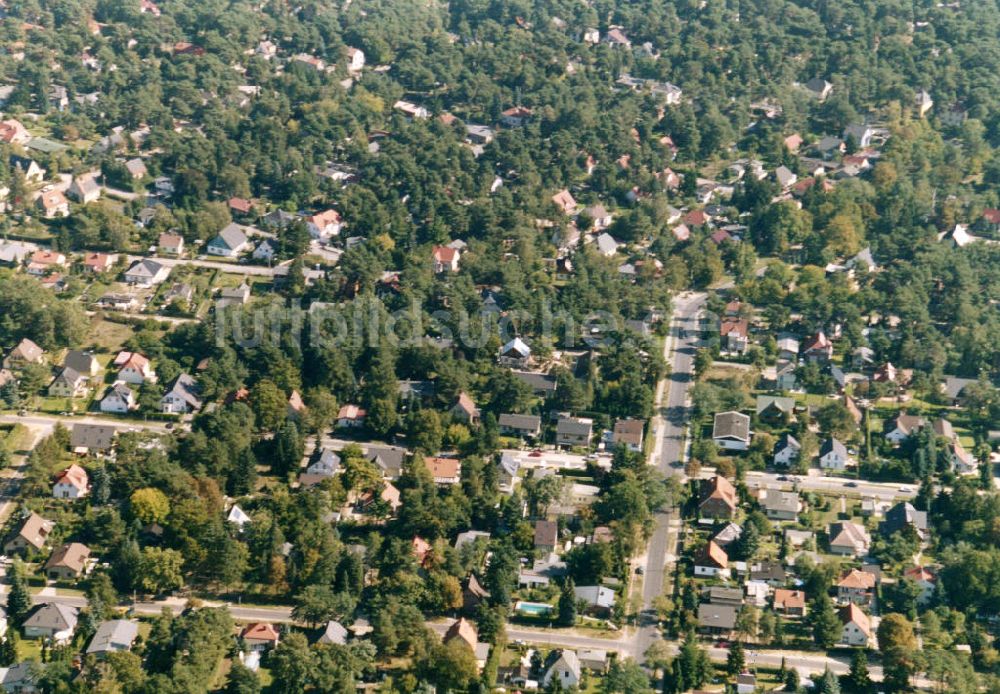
pixel 670 426
pixel 49 421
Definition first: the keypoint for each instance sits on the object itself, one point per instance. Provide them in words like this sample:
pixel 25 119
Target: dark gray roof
pixel 388 458
pixel 731 425
pixel 717 616
pixel 540 383
pixel 520 421
pixel 902 515
pixel 832 445
pixel 95 437
pixel 79 361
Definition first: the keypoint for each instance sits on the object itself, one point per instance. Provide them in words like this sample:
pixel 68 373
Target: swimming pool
pixel 533 609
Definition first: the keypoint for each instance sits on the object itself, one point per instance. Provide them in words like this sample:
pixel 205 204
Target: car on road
pixel 850 484
pixel 906 488
pixel 639 570
pixel 782 478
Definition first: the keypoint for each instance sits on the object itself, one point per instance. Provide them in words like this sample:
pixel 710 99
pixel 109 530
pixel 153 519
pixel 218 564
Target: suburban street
pixel 232 268
pixel 49 421
pixel 670 431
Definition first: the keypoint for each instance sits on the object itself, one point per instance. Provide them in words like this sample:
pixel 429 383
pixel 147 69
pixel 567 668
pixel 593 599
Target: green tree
pixel 567 604
pixel 160 569
pixel 291 664
pixel 824 622
pixel 18 598
pixel 452 666
pixel 858 679
pixel 898 645
pixel 626 677
pixel 149 505
pixel 692 667
pixel 736 659
pixel 242 680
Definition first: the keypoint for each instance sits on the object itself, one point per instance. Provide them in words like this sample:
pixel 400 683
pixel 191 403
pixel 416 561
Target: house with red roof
pixel 259 636
pixel 446 259
pixel 71 483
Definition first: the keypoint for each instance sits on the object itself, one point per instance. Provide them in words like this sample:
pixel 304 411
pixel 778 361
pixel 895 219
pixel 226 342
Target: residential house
pixel 902 516
pixel 731 431
pixel 616 37
pixel 411 110
pixel 923 103
pixel 856 626
pixel 594 659
pixel 68 562
pixel 355 59
pixel 819 88
pixel 445 259
pixel 52 203
pixel 240 206
pixel 97 263
pixel 856 586
pixel 119 399
pixel 323 465
pixel 445 471
pixel 113 636
pixel 606 245
pixel 712 561
pixel 786 451
pixel 565 670
pixel 516 116
pixel 574 431
pixel 351 417
pixel 541 384
pixel 790 602
pixel 954 389
pixel 147 273
pixel 478 134
pixel 717 620
pixel 44 262
pixel 136 169
pixel 721 595
pixel 13 132
pixel 565 202
pixel 746 683
pixel 32 533
pixel 833 455
pixel 266 250
pixel 334 634
pixel 69 383
pixel 238 517
pixel 546 535
pixel 769 571
pixel 926 579
pixel 85 188
pixel 323 225
pixel 901 427
pixel 465 632
pixel 508 469
pixel 134 368
pixel 600 217
pixel 718 498
pixel 182 397
pixel 515 354
pixel 527 426
pixel 26 352
pixel 465 410
pixel 259 637
pixel 775 409
pixel 92 438
pixel 233 296
pixel 13 254
pixel 170 244
pixel 599 600
pixel 729 534
pixel 71 483
pixel 785 177
pixel 629 433
pixel 818 348
pixel 862 135
pixel 780 505
pixel 960 460
pixel 735 335
pixel 229 243
pixel 848 539
pixel 52 620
